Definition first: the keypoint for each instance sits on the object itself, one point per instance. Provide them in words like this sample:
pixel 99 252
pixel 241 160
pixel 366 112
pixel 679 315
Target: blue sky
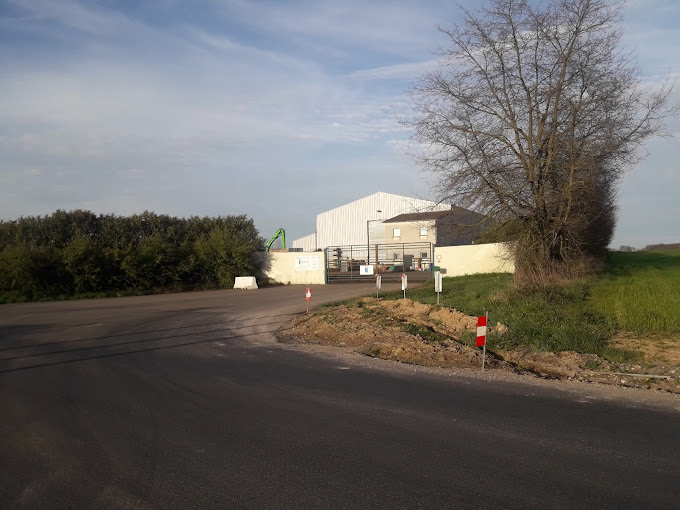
pixel 277 110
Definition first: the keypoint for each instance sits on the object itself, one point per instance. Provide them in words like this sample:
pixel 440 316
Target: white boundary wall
pixel 473 259
pixel 294 267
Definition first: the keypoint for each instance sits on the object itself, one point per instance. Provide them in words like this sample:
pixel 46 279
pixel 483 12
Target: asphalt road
pixel 187 401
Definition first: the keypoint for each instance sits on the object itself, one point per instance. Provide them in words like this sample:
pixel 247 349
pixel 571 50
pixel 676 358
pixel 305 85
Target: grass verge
pixel 557 318
pixel 640 293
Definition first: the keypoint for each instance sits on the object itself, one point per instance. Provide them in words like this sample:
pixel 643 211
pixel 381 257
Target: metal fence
pixel 361 263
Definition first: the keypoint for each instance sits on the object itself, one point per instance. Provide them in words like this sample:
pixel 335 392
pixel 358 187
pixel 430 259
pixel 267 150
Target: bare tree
pixel 532 116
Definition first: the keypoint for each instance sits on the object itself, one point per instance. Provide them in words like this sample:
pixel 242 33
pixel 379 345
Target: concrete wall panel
pixel 473 259
pixel 305 268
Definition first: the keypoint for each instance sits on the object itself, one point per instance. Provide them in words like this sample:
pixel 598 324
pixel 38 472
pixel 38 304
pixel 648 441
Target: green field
pixel 639 294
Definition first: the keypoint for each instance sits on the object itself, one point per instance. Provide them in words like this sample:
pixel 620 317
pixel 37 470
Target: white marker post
pixel 404 283
pixel 481 335
pixel 437 283
pixel 378 282
pixel 308 297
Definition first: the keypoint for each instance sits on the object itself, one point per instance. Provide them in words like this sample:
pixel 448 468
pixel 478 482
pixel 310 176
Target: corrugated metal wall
pixel 348 224
pixel 307 243
pixel 376 235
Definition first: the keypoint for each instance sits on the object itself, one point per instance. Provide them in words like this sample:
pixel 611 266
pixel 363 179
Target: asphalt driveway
pixel 187 401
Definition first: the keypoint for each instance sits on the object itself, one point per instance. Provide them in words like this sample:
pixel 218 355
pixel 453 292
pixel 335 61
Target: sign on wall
pixel 307 263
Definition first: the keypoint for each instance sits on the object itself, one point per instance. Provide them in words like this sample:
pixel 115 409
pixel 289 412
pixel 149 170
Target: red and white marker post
pixel 378 283
pixel 404 283
pixel 481 335
pixel 308 297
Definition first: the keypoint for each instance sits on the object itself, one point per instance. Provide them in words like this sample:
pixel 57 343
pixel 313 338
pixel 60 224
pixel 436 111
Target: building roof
pixel 465 216
pixel 381 200
pixel 420 216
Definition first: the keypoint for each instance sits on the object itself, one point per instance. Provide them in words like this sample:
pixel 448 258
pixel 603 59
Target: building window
pixel 423 254
pixel 396 233
pixel 423 231
pixel 396 256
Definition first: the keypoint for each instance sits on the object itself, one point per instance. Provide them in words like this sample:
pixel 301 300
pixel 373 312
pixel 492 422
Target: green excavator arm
pixel 279 233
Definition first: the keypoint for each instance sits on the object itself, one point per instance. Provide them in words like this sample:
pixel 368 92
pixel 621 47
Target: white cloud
pixel 393 27
pixel 74 15
pixel 250 108
pixel 408 71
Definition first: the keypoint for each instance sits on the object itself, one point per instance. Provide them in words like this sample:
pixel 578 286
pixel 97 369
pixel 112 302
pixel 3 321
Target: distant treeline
pixel 653 247
pixel 663 247
pixel 78 252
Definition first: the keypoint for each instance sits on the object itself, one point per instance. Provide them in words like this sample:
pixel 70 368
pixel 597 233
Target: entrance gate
pixel 345 263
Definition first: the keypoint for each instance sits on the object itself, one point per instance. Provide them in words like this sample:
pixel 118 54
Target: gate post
pixel 351 260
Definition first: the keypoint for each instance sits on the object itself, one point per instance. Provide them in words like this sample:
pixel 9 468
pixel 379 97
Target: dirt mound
pixel 412 332
pixel 566 364
pixel 405 308
pixel 453 322
pixel 385 329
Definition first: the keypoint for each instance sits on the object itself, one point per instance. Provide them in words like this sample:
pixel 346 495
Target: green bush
pixel 81 262
pixel 16 272
pixel 80 253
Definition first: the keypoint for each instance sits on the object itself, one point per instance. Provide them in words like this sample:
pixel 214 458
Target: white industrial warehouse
pixel 387 235
pixel 361 222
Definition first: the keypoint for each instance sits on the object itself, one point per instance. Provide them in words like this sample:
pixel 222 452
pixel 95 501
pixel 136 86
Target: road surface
pixel 187 401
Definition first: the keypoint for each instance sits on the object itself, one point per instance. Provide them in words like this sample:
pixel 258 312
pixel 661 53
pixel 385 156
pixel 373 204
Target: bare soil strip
pixel 412 332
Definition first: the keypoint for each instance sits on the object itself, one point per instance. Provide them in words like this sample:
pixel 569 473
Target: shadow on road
pixel 131 351
pixel 104 337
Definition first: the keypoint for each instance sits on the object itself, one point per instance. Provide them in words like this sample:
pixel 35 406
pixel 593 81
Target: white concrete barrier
pixel 245 282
